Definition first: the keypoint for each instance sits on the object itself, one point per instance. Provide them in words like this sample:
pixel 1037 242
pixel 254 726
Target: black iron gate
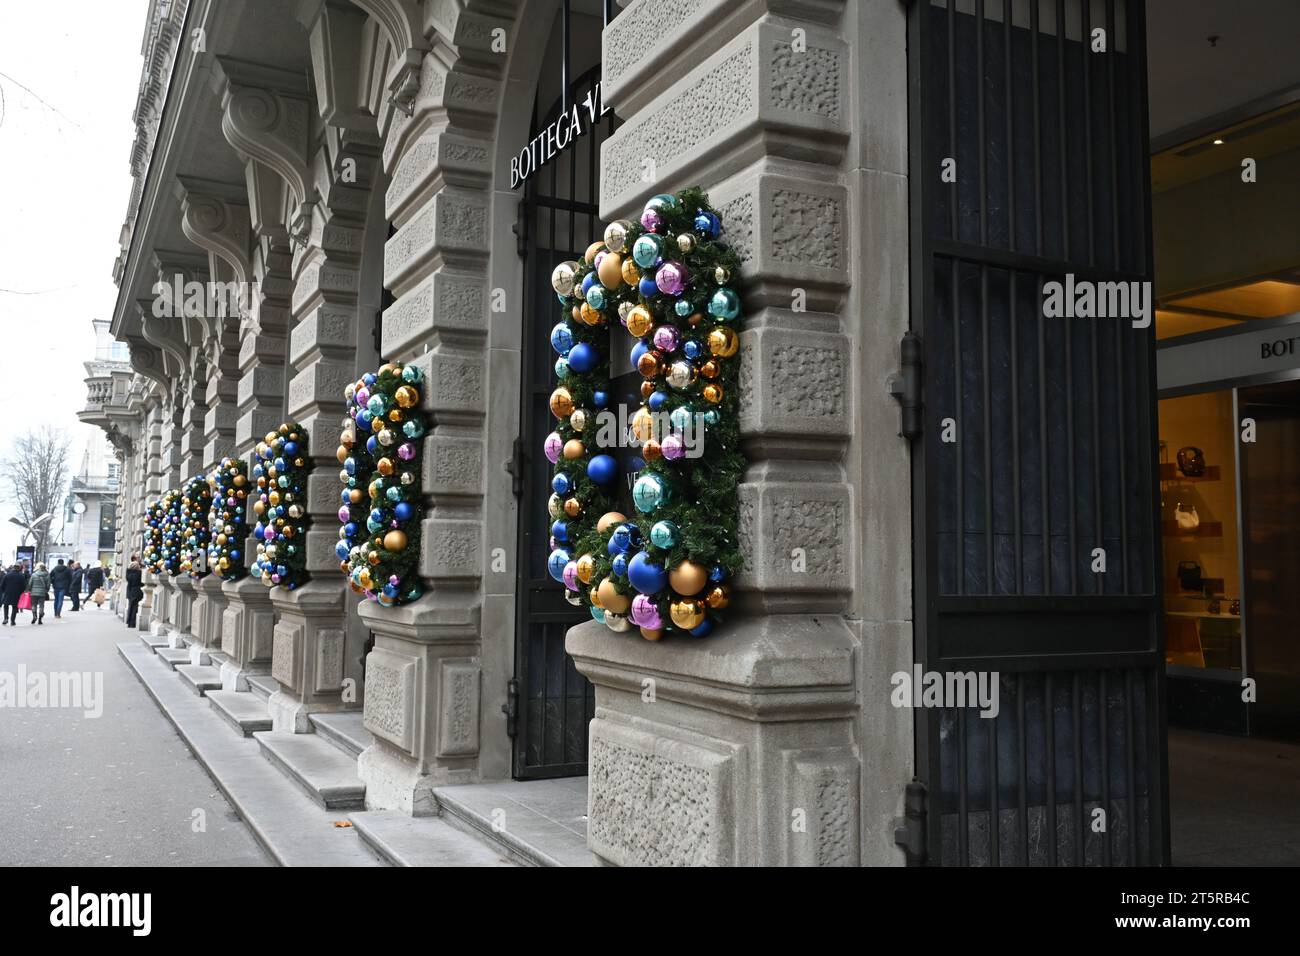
pixel 558 219
pixel 1036 467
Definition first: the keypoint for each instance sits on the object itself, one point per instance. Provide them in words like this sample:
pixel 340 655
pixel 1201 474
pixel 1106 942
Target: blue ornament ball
pixel 638 350
pixel 403 511
pixel 600 399
pixel 708 224
pixel 619 565
pixel 561 484
pixel 598 614
pixel 562 368
pixel 602 469
pixel 645 251
pixel 556 562
pixel 705 628
pixel 663 534
pixel 560 532
pixel 718 574
pixel 645 575
pixel 412 375
pixel 647 286
pixel 596 296
pixel 583 358
pixel 588 281
pixel 656 400
pixel 341 550
pixel 692 349
pixel 683 307
pixel 625 537
pixel 561 338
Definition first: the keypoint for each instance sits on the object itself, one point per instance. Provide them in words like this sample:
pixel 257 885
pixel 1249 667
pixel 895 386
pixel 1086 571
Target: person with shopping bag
pixel 95 585
pixel 13 587
pixel 38 591
pixel 134 589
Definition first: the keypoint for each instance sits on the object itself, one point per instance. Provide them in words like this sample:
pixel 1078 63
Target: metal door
pixel 552 702
pixel 1037 457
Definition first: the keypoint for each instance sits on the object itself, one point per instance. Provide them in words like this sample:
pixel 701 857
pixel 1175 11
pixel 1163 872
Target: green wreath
pixel 379 541
pixel 152 544
pixel 172 540
pixel 228 519
pixel 280 478
pixel 195 512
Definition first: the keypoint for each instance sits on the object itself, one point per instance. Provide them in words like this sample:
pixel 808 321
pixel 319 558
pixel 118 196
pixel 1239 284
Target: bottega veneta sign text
pixel 557 137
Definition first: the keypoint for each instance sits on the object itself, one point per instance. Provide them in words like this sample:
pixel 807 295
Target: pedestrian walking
pixel 60 581
pixel 38 588
pixel 12 586
pixel 134 589
pixel 78 582
pixel 95 585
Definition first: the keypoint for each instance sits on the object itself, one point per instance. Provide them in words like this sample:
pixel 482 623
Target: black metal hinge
pixel 910 834
pixel 515 467
pixel 377 330
pixel 511 707
pixel 520 229
pixel 905 387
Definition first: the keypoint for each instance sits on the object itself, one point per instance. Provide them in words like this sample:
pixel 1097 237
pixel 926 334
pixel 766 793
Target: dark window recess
pixel 1037 443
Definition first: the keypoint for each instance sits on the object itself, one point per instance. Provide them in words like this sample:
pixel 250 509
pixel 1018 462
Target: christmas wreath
pixel 280 480
pixel 151 547
pixel 228 519
pixel 669 280
pixel 196 508
pixel 172 538
pixel 379 541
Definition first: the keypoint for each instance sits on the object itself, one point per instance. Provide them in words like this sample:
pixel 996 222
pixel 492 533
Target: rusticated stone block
pixel 329 659
pixel 390 698
pixel 326 326
pixel 824 791
pixel 797 382
pixel 264 381
pixel 319 384
pixel 659 801
pixel 794 537
pixel 450 548
pixel 454 221
pixel 454 387
pixel 753 97
pixel 458 708
pixel 286 649
pixel 446 304
pixel 453 466
pixel 453 156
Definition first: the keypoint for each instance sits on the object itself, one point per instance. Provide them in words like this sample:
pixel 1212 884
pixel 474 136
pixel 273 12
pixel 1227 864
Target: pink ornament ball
pixel 651 220
pixel 553 446
pixel 571 575
pixel 672 447
pixel 406 452
pixel 666 338
pixel 671 278
pixel 644 613
pixel 344 515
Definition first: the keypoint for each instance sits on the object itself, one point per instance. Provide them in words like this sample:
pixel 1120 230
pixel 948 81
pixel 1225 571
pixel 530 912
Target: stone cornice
pixel 401 22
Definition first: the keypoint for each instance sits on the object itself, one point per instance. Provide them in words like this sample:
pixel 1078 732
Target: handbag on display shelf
pixel 1189 576
pixel 1186 520
pixel 1191 461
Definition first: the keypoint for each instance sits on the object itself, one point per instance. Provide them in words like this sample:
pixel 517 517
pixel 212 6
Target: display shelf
pixel 1169 472
pixel 1206 529
pixel 1172 589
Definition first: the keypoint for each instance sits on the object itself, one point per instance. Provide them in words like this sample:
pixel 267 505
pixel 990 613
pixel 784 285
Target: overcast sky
pixel 64 184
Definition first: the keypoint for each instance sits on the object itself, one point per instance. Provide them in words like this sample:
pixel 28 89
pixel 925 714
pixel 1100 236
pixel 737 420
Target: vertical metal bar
pixel 1076 734
pixel 990 571
pixel 979 113
pixel 1112 35
pixel 1022 772
pixel 608 10
pixel 1011 138
pixel 1130 754
pixel 953 198
pixel 1060 123
pixel 1049 733
pixel 1044 463
pixel 963 819
pixel 995 813
pixel 961 435
pixel 1102 703
pixel 1097 474
pixel 1123 424
pixel 565 28
pixel 1085 55
pixel 1038 132
pixel 1015 430
pixel 1071 509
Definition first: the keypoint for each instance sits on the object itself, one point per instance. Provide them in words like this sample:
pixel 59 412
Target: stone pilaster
pixel 745 753
pixel 424 676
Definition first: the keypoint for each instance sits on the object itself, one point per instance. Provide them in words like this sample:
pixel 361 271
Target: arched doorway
pixel 558 218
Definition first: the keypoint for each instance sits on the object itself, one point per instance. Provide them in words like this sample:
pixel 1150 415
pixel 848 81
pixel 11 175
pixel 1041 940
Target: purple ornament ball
pixel 553 446
pixel 671 278
pixel 406 452
pixel 672 447
pixel 651 220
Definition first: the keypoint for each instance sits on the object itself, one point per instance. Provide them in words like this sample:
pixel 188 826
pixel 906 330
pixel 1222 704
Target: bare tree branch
pixel 34 476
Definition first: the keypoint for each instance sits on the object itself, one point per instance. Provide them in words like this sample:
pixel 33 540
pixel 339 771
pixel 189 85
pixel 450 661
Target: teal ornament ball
pixel 681 417
pixel 562 368
pixel 412 375
pixel 649 493
pixel 683 307
pixel 663 534
pixel 662 201
pixel 596 297
pixel 645 251
pixel 725 304
pixel 413 429
pixel 711 417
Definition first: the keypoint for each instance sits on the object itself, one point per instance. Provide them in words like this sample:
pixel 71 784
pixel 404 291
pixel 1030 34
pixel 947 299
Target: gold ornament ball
pixel 647 389
pixel 687 614
pixel 385 466
pixel 651 451
pixel 561 403
pixel 594 596
pixel 648 365
pixel 586 568
pixel 723 342
pixel 609 518
pixel 610 270
pixel 553 506
pixel 639 321
pixel 652 634
pixel 611 600
pixel 631 276
pixel 695 319
pixel 688 578
pixel 395 540
pixel 396 414
pixel 711 369
pixel 355 496
pixel 718 597
pixel 573 507
pixel 373 557
pixel 722 275
pixel 643 424
pixel 573 449
pixel 712 393
pixel 686 242
pixel 578 420
pixel 590 315
pixel 595 247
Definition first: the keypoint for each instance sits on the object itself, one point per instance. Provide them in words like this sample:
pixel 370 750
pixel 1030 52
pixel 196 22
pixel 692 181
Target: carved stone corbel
pixel 218 223
pixel 267 115
pixel 401 21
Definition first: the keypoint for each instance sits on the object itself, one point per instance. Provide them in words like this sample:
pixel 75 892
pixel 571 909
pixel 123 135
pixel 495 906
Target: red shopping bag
pixel 25 601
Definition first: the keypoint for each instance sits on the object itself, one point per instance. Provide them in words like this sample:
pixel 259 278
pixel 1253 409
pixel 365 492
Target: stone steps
pixel 345 730
pixel 535 823
pixel 174 656
pixel 200 678
pixel 244 711
pixel 262 685
pixel 326 773
pixel 153 641
pixel 402 840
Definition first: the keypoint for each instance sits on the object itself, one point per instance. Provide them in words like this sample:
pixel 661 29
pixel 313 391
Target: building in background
pixel 92 506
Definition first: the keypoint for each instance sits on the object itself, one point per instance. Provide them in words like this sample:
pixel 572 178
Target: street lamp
pixel 31 528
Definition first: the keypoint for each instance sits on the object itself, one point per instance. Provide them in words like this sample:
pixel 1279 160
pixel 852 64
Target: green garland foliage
pixel 228 519
pixel 669 279
pixel 151 546
pixel 379 541
pixel 280 478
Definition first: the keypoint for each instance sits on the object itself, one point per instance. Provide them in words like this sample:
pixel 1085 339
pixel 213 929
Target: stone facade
pixel 358 165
